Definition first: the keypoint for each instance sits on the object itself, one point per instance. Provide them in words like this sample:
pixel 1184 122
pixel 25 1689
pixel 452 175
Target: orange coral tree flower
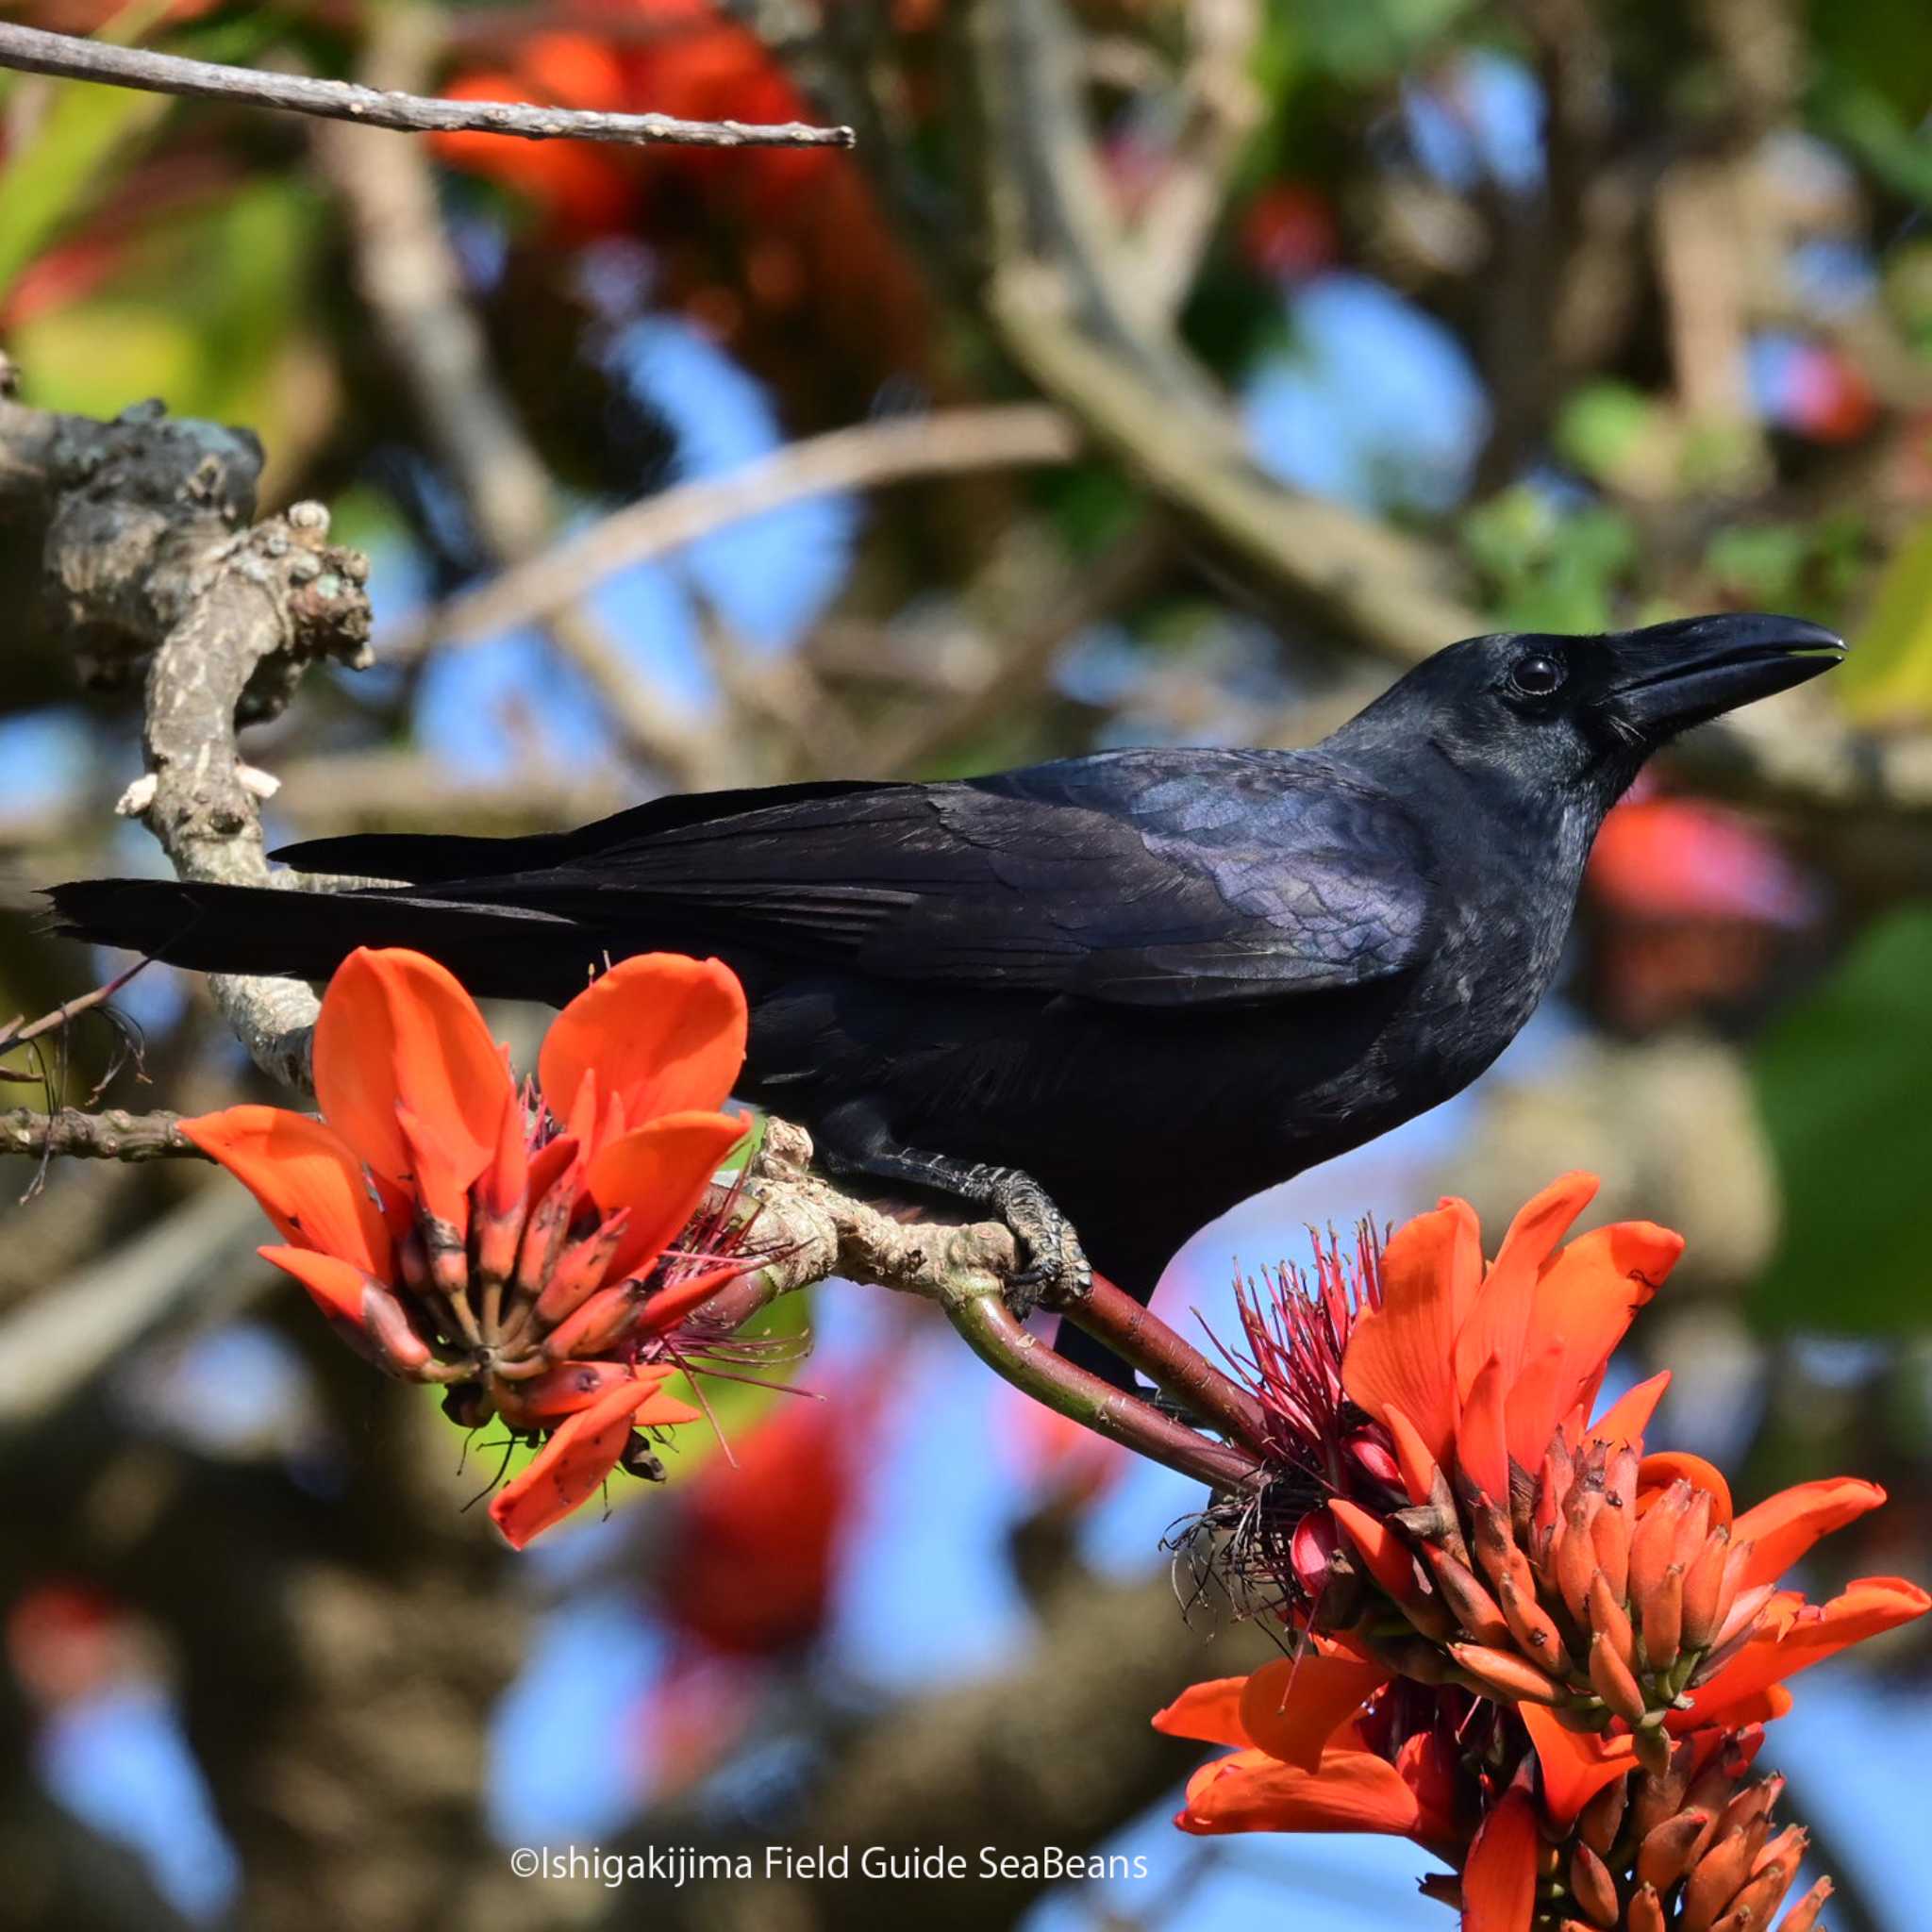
pixel 1432 1449
pixel 1695 1845
pixel 461 1231
pixel 1544 1555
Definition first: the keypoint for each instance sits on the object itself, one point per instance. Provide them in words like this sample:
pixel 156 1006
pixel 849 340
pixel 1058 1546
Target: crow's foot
pixel 1052 1269
pixel 1053 1265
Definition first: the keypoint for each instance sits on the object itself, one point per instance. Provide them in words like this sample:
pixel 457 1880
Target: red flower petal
pixel 1481 1447
pixel 1656 1474
pixel 1622 1425
pixel 1783 1527
pixel 1210 1713
pixel 1575 1767
pixel 1387 1556
pixel 1499 1320
pixel 1295 1706
pixel 665 1412
pixel 309 1182
pixel 573 1386
pixel 1419 1467
pixel 334 1285
pixel 1585 1299
pixel 1403 1352
pixel 395 1026
pixel 571 1466
pixel 1499 1880
pixel 1354 1791
pixel 1794 1640
pixel 362 1310
pixel 671 1303
pixel 663 1033
pixel 660 1172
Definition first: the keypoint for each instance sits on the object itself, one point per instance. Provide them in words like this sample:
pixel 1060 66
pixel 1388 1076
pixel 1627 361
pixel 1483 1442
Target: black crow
pixel 1128 990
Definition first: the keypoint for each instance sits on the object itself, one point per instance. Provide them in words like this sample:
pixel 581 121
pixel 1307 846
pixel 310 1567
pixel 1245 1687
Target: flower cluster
pixel 516 1245
pixel 1460 1531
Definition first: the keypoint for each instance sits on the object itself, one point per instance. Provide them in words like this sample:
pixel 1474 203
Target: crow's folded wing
pixel 1142 878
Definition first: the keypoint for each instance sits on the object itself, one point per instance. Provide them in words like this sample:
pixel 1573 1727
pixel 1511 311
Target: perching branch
pixel 814 1233
pixel 32 50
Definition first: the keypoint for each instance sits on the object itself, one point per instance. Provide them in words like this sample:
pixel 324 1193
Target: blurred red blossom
pixel 757 1534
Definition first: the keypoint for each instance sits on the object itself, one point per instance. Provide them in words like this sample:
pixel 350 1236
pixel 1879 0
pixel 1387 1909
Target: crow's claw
pixel 1053 1268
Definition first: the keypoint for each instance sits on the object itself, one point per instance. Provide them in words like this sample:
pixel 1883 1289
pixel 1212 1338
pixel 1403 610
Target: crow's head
pixel 1583 713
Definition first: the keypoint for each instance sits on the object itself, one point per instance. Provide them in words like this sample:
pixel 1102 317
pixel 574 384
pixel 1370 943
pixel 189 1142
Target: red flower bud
pixel 1610 1677
pixel 1803 1917
pixel 1373 1456
pixel 1312 1549
pixel 1663 1613
pixel 1505 1674
pixel 1666 1852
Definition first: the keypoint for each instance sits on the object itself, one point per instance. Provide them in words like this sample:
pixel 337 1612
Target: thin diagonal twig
pixel 889 450
pixel 18 1032
pixel 34 51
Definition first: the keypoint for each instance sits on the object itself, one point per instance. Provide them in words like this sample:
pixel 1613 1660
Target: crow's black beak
pixel 1675 675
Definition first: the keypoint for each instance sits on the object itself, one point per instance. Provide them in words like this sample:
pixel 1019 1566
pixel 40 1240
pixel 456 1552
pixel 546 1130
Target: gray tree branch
pixel 32 50
pixel 150 561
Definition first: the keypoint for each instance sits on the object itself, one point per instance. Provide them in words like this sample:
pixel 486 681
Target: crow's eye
pixel 1537 678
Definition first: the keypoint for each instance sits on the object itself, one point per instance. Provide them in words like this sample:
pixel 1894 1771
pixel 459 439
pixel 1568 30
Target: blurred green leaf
pixel 1369 40
pixel 1809 569
pixel 1877 51
pixel 64 165
pixel 1908 291
pixel 1602 424
pixel 1842 1081
pixel 1759 563
pixel 1549 569
pixel 202 314
pixel 1890 675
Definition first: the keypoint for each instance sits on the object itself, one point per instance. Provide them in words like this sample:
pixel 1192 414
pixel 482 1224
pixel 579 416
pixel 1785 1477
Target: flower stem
pixel 1174 1365
pixel 995 1336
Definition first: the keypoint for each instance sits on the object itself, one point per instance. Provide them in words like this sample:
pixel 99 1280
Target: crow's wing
pixel 1151 878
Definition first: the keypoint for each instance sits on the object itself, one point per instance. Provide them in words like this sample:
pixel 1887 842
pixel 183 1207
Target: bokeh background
pixel 1260 347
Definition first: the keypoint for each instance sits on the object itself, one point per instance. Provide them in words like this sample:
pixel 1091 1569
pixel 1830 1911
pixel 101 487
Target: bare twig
pixel 1028 605
pixel 111 1135
pixel 1220 105
pixel 21 1031
pixel 891 450
pixel 814 1232
pixel 32 50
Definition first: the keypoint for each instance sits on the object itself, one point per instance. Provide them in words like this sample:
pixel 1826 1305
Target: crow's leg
pixel 1053 1265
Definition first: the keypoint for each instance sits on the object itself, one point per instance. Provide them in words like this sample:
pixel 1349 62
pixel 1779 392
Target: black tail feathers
pixel 496 952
